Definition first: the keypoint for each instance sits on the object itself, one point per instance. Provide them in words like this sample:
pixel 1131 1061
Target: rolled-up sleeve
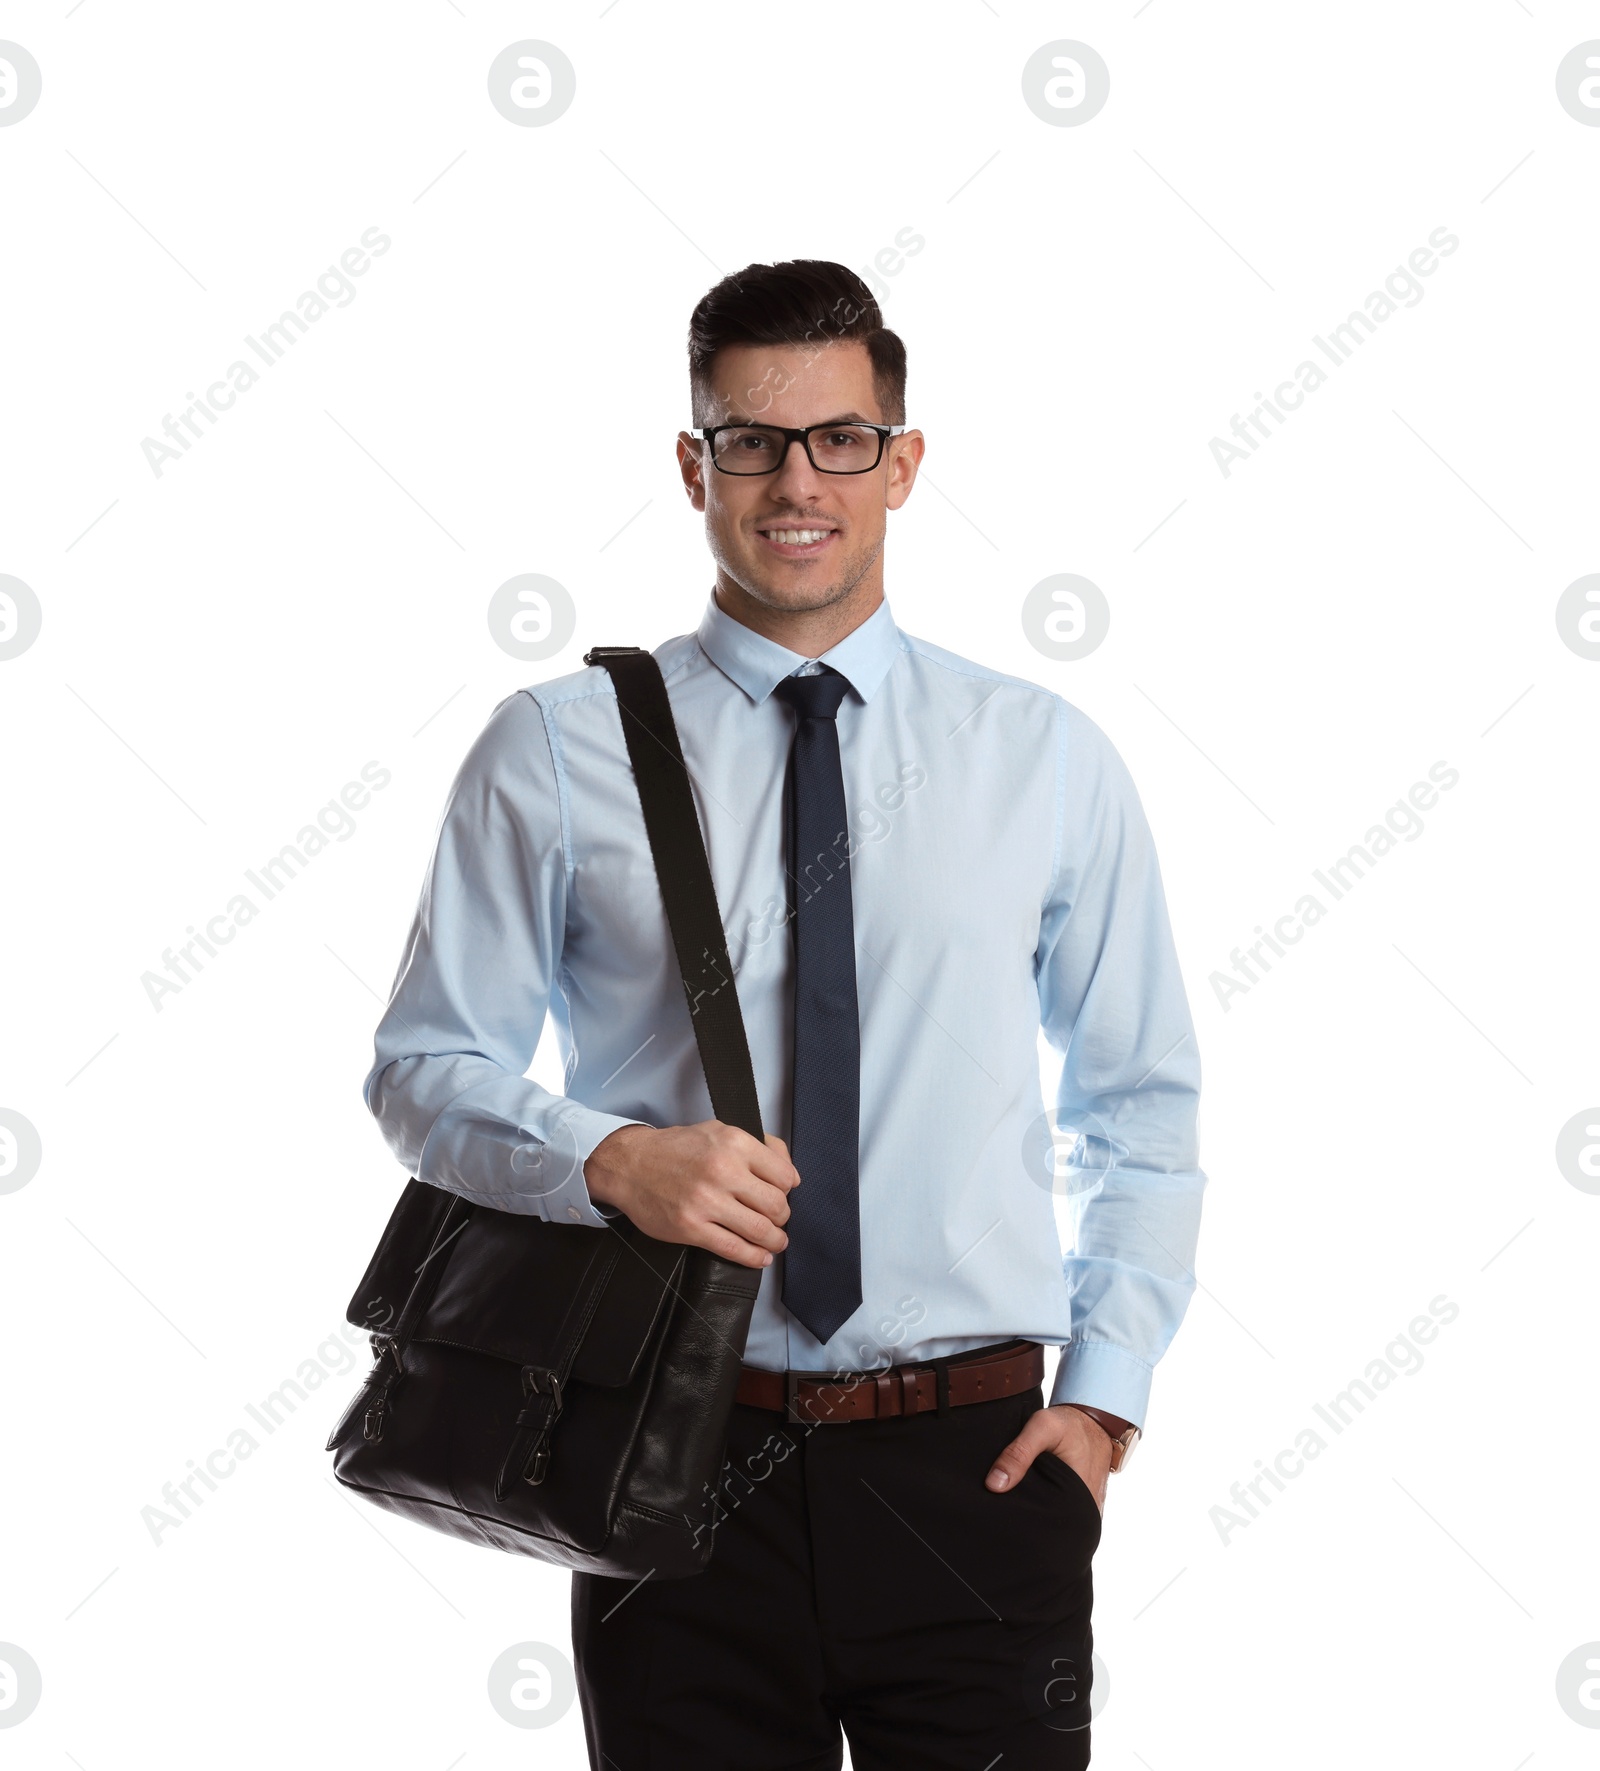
pixel 1112 1002
pixel 447 1085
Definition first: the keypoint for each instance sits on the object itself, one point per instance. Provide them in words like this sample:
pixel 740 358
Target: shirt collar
pixel 757 665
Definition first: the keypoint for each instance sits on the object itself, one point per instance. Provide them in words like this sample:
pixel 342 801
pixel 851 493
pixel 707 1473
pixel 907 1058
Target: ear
pixel 690 450
pixel 906 457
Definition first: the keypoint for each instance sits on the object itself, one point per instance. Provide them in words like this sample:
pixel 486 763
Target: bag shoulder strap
pixel 678 849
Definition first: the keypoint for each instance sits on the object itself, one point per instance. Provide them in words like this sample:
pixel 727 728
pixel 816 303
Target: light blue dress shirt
pixel 1003 879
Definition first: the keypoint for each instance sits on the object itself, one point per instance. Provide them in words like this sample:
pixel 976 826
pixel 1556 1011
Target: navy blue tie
pixel 822 1264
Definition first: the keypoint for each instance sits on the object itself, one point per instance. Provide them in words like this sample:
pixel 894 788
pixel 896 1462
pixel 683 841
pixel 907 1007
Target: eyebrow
pixel 843 418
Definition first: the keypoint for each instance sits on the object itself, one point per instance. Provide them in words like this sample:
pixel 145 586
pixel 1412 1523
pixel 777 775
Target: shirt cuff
pixel 1103 1375
pixel 567 1199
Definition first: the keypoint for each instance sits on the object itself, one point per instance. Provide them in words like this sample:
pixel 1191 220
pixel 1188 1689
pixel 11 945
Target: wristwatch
pixel 1123 1439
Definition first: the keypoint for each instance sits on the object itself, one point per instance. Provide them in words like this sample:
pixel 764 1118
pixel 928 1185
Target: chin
pixel 794 598
pixel 797 590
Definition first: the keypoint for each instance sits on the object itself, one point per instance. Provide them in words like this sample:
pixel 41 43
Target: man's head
pixel 797 344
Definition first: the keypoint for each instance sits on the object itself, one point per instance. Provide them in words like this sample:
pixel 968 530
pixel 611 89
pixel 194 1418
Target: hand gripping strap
pixel 679 852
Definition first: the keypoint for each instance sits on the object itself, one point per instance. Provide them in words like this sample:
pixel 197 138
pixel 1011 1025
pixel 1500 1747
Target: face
pixel 797 539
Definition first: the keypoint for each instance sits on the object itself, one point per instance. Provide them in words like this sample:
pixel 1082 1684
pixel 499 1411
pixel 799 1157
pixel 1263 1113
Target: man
pixel 919 862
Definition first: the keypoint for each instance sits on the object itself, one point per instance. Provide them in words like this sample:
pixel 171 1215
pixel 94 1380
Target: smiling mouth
pixel 795 541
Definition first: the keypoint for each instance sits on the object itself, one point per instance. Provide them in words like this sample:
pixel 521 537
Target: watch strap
pixel 1123 1439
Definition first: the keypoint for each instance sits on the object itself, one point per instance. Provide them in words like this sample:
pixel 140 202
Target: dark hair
pixel 801 301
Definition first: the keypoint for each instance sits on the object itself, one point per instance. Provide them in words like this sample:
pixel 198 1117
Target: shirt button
pixel 574 1213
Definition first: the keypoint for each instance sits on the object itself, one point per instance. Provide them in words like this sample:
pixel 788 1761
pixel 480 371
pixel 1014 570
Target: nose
pixel 797 478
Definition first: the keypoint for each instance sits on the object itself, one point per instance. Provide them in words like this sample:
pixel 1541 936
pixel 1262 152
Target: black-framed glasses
pixel 763 448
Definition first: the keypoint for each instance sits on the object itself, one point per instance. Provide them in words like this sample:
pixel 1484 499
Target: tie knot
pixel 813 697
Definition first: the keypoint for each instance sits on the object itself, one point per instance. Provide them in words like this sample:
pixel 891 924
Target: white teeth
pixel 796 537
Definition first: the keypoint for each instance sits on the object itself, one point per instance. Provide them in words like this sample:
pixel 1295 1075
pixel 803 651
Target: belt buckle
pixel 791 1397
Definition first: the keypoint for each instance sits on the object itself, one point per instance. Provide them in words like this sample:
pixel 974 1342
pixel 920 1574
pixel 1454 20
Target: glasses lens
pixel 845 448
pixel 836 448
pixel 749 448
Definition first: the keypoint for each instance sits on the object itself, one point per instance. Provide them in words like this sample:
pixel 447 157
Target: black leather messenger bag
pixel 556 1390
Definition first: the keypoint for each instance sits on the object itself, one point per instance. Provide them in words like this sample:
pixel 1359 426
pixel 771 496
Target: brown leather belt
pixel 825 1397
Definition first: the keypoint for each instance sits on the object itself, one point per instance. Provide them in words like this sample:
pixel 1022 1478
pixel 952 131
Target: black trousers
pixel 863 1577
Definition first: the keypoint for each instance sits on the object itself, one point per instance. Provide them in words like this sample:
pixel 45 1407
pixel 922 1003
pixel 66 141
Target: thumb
pixel 1013 1463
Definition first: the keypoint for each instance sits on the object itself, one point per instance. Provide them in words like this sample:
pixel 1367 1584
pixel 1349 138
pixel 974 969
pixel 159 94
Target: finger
pixel 730 1247
pixel 773 1165
pixel 772 1202
pixel 748 1225
pixel 769 1158
pixel 1012 1464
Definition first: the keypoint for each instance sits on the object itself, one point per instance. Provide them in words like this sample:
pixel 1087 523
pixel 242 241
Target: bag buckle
pixel 539 1381
pixel 372 1421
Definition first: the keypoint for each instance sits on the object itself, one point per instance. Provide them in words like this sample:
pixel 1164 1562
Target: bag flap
pixel 399 1256
pixel 518 1287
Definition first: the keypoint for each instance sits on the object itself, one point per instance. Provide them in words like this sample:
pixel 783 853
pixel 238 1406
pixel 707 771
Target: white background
pixel 1291 647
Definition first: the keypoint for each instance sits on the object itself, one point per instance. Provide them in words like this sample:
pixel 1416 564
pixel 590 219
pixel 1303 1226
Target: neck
pixel 809 632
